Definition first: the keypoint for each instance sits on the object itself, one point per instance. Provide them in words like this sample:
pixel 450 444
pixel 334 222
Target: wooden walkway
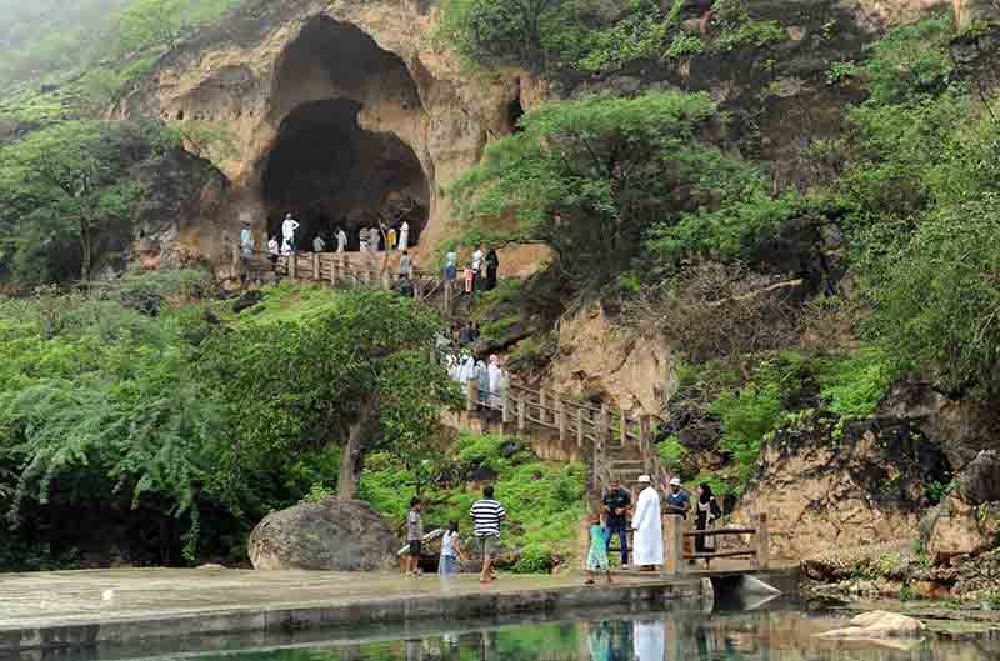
pixel 615 445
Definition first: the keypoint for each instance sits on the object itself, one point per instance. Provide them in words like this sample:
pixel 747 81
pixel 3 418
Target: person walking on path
pixel 405 265
pixel 341 240
pixel 616 504
pixel 319 245
pixel 487 513
pixel 597 556
pixel 288 229
pixel 451 550
pixel 648 527
pixel 404 236
pixel 707 511
pixel 414 537
pixel 492 264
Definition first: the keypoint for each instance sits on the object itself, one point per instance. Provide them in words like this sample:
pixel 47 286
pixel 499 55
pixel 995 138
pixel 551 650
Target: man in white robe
pixel 341 240
pixel 288 227
pixel 404 236
pixel 647 524
pixel 649 640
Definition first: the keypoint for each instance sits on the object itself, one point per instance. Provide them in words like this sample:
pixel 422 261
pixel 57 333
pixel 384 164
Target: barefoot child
pixel 597 557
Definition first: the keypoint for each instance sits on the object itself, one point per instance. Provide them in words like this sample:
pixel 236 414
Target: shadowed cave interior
pixel 323 167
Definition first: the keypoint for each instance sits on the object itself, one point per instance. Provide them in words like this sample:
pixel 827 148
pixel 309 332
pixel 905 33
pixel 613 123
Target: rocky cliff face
pixel 333 111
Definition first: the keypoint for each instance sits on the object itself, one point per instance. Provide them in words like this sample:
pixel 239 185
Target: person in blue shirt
pixel 677 500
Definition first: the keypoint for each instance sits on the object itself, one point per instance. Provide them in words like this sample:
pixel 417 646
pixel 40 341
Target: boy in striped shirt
pixel 486 514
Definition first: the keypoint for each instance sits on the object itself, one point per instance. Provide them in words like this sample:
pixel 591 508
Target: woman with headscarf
pixel 495 375
pixel 707 511
pixel 492 264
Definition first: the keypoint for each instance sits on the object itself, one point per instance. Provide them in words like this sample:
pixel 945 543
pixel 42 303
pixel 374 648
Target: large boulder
pixel 980 481
pixel 324 535
pixel 955 527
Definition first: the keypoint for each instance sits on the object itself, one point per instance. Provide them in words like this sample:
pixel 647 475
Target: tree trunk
pixel 350 452
pixel 86 257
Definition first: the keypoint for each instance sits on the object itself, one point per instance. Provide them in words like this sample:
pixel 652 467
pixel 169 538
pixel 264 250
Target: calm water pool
pixel 776 635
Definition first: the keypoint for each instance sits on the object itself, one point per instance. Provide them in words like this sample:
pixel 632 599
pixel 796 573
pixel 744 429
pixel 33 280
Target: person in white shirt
pixel 477 264
pixel 341 240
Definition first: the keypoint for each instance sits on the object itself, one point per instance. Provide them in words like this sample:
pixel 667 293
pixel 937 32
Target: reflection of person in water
pixel 599 642
pixel 649 640
pixel 704 640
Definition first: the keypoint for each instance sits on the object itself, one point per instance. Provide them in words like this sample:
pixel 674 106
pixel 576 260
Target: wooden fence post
pixel 316 275
pixel 521 415
pixel 763 556
pixel 471 396
pixel 624 428
pixel 506 414
pixel 605 431
pixel 542 417
pixel 293 265
pixel 579 428
pixel 673 544
pixel 561 411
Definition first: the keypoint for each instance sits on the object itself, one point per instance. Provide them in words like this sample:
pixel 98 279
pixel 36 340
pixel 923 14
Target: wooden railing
pixel 596 430
pixel 339 269
pixel 679 537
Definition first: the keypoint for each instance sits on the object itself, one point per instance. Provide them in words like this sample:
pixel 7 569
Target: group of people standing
pixel 480 272
pixel 370 239
pixel 646 523
pixel 487 514
pixel 491 379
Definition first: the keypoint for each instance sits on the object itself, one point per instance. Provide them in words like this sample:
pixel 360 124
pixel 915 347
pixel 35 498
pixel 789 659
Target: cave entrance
pixel 347 114
pixel 329 172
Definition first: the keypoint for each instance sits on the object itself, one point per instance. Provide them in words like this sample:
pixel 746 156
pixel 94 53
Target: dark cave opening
pixel 322 166
pixel 328 172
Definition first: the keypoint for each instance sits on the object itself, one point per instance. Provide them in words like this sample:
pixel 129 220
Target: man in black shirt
pixel 616 505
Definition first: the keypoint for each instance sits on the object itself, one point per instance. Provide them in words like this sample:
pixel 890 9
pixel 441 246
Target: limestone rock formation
pixel 338 112
pixel 955 527
pixel 632 371
pixel 864 489
pixel 878 624
pixel 324 535
pixel 980 482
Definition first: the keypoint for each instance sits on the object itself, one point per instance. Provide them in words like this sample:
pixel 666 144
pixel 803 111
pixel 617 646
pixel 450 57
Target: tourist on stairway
pixel 272 251
pixel 487 513
pixel 495 375
pixel 404 236
pixel 707 511
pixel 319 245
pixel 616 504
pixel 647 526
pixel 341 240
pixel 477 265
pixel 450 265
pixel 288 229
pixel 246 240
pixel 492 264
pixel 470 279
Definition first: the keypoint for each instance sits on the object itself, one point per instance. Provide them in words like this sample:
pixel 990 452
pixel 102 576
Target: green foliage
pixel 592 170
pixel 671 451
pixel 911 61
pixel 63 190
pixel 544 501
pixel 175 423
pixel 852 385
pixel 747 416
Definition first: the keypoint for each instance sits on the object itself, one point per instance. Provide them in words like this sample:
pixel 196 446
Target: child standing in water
pixel 597 557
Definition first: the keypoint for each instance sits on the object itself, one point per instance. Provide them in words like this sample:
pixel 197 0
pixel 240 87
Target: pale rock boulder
pixel 325 535
pixel 876 625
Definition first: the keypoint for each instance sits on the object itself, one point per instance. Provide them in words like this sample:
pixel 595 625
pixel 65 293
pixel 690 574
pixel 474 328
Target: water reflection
pixel 760 636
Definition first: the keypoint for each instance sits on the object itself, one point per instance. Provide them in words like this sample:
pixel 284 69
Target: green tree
pixel 589 176
pixel 64 186
pixel 355 373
